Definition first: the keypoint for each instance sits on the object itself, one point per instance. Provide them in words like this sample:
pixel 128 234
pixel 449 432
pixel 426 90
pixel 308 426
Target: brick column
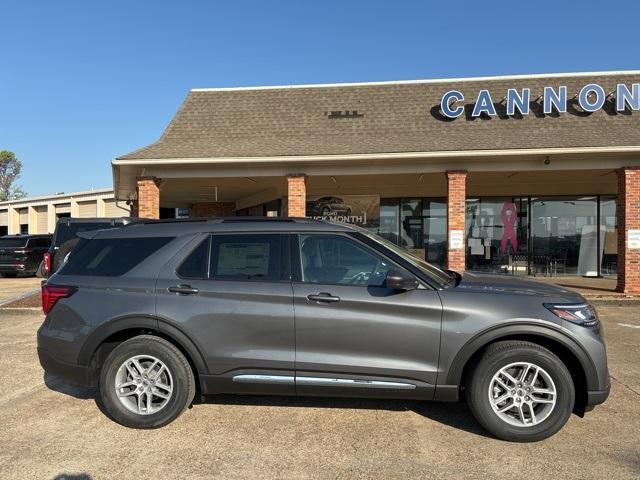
pixel 148 197
pixel 628 211
pixel 212 209
pixel 297 195
pixel 456 198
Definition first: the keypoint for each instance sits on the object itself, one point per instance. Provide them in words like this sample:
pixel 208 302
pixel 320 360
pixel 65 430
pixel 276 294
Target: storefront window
pixel 411 226
pixel 564 235
pixel 434 214
pixel 390 220
pixel 497 235
pixel 609 247
pixel 419 225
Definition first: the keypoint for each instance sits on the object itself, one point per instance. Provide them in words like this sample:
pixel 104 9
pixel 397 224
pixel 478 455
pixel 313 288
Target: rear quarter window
pixel 111 257
pixel 15 242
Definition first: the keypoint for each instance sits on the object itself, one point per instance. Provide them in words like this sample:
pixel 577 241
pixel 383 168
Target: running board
pixel 323 382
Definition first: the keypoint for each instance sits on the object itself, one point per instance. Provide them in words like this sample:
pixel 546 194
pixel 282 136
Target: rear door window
pixel 196 265
pixel 111 257
pixel 248 257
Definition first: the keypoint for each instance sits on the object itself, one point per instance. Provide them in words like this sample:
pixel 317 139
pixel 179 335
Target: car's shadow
pixel 456 415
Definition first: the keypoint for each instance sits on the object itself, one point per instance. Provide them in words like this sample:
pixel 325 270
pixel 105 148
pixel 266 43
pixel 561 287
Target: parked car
pixel 65 238
pixel 327 207
pixel 22 254
pixel 154 312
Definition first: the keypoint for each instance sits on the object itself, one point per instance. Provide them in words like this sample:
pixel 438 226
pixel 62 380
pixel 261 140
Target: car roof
pixel 176 227
pixel 64 220
pixel 28 235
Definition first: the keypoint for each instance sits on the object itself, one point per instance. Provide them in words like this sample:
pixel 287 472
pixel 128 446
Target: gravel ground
pixel 51 429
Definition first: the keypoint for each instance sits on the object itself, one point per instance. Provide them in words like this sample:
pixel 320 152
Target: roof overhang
pixel 125 171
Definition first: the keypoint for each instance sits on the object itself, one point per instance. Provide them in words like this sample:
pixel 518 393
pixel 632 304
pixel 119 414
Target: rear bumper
pixel 77 374
pixel 8 267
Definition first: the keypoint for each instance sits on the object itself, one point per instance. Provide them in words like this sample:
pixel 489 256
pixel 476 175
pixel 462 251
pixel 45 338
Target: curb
pixel 20 311
pixel 19 297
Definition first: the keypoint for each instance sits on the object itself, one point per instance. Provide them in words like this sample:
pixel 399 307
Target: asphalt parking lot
pixel 51 429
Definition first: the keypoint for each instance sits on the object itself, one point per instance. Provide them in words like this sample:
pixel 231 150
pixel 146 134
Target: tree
pixel 10 169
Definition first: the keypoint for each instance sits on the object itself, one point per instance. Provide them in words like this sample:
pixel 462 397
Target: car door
pixel 354 336
pixel 231 295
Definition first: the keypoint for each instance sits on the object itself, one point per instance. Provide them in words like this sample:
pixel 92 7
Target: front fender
pixel 454 372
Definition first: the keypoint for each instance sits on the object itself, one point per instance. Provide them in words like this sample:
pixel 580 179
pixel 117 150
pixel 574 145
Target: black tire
pixel 501 354
pixel 181 373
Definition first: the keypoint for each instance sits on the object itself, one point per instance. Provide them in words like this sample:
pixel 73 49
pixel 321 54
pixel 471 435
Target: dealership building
pixel 522 175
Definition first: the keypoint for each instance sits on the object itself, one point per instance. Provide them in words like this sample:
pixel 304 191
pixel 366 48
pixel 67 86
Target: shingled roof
pixel 392 117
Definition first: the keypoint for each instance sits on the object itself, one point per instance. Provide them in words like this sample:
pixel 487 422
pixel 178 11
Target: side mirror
pixel 400 280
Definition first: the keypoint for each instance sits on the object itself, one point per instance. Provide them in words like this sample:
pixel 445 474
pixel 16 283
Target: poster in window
pixel 362 210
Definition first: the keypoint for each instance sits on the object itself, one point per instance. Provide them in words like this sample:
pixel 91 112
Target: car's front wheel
pixel 146 382
pixel 520 391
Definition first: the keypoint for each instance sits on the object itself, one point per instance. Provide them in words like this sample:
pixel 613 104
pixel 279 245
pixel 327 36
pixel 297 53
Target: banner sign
pixel 362 210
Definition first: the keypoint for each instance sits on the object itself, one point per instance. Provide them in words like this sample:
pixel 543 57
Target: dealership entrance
pixel 542 191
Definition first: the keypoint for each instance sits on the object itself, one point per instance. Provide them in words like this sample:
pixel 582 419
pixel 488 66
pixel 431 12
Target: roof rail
pixel 143 221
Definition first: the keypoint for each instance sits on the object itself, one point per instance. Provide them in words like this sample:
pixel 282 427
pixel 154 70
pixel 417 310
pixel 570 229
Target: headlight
pixel 582 314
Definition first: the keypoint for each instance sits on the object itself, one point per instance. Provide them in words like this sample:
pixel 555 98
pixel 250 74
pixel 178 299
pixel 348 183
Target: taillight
pixel 47 262
pixel 52 293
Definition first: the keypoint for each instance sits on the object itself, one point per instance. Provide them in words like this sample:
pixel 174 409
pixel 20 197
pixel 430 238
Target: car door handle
pixel 183 289
pixel 323 297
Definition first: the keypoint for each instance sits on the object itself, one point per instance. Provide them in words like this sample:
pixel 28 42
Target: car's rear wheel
pixel 146 382
pixel 521 391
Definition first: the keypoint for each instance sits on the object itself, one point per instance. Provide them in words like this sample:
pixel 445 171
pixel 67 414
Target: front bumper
pixel 77 374
pixel 596 397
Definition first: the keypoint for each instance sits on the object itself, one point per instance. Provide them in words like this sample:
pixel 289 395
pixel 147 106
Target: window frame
pixel 296 259
pixel 184 259
pixel 285 258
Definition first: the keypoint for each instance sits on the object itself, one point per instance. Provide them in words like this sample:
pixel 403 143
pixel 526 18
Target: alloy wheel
pixel 144 384
pixel 522 394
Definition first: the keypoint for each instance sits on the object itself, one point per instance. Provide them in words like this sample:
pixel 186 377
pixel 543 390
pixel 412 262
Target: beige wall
pixel 41 213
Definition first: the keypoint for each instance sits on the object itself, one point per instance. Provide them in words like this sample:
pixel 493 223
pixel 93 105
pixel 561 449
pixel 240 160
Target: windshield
pixel 442 277
pixel 68 232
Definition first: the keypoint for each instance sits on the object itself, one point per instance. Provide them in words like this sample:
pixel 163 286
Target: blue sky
pixel 83 82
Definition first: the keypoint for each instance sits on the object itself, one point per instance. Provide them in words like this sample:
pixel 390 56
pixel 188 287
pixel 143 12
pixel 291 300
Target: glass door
pixel 564 234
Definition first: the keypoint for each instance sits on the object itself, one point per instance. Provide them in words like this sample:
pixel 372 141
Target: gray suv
pixel 154 313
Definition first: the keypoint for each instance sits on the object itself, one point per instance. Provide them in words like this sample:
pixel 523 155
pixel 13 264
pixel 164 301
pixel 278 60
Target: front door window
pixel 338 260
